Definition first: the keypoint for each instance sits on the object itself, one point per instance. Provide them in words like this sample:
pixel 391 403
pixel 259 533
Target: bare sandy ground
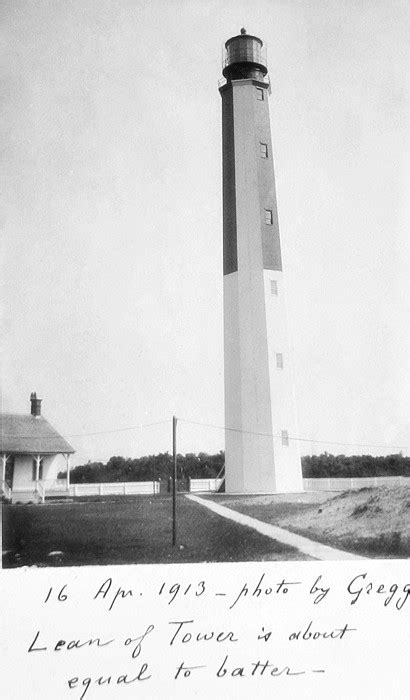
pixel 372 521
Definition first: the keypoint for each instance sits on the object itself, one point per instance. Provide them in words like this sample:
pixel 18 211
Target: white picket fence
pixel 354 483
pixel 204 484
pixel 118 488
pixel 335 484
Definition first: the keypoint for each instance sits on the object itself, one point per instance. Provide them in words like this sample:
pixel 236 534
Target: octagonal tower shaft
pixel 260 454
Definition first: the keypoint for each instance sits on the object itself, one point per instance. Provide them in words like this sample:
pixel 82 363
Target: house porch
pixel 33 477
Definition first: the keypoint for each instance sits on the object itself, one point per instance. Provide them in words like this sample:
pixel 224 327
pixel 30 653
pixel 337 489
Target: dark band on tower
pixel 244 60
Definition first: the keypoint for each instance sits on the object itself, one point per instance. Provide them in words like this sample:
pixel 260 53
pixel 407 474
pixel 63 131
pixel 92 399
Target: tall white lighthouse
pixel 260 454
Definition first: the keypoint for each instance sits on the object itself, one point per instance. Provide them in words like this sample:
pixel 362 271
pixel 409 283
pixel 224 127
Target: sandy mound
pixel 378 517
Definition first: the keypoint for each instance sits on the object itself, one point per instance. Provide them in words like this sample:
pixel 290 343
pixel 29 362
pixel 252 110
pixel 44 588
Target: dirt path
pixel 372 522
pixel 303 544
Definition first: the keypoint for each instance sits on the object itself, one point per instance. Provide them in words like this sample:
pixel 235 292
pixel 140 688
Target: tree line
pixel 150 468
pixel 205 466
pixel 327 465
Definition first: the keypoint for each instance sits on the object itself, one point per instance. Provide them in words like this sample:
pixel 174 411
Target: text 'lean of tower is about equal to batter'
pixel 260 454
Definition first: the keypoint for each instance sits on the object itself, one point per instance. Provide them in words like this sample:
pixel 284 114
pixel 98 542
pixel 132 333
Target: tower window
pixel 264 150
pixel 274 287
pixel 279 360
pixel 268 217
pixel 259 94
pixel 285 438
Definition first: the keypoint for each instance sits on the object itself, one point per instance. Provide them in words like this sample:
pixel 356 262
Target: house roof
pixel 25 434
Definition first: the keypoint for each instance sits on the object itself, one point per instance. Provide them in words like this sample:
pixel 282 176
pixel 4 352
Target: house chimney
pixel 35 404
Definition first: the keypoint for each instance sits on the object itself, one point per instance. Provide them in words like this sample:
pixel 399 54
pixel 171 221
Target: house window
pixel 274 287
pixel 264 150
pixel 40 469
pixel 9 470
pixel 268 217
pixel 260 94
pixel 285 438
pixel 279 360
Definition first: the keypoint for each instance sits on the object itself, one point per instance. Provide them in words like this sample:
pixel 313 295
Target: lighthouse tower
pixel 260 454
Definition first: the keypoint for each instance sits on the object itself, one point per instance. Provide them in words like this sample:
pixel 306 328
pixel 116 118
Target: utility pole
pixel 174 480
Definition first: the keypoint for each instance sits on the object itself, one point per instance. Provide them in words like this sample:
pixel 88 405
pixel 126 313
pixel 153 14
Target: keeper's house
pixel 33 453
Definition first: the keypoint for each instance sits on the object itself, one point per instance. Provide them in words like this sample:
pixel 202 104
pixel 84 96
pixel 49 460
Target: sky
pixel 112 217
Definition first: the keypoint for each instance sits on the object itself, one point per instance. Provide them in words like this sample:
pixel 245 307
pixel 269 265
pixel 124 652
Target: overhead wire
pixel 218 427
pixel 294 437
pixel 100 432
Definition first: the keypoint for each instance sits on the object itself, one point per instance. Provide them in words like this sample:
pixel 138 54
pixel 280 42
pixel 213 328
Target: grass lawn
pixel 372 522
pixel 130 530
